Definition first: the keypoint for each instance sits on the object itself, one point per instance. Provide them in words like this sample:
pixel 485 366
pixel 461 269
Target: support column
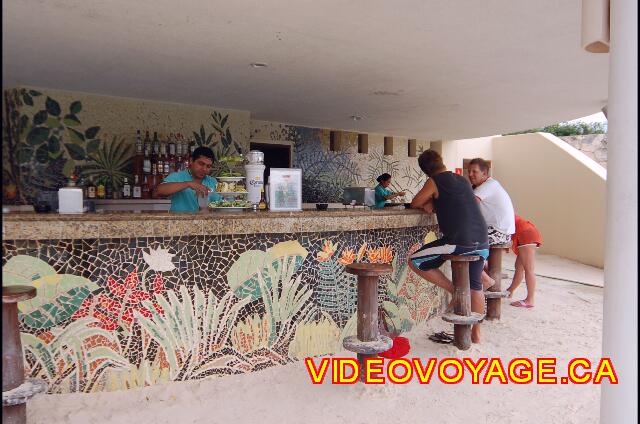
pixel 619 403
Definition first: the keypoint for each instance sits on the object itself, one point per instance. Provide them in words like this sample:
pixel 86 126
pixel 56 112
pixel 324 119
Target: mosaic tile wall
pixel 50 134
pixel 122 313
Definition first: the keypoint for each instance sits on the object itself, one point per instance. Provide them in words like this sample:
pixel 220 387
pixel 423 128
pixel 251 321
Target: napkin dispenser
pixel 70 200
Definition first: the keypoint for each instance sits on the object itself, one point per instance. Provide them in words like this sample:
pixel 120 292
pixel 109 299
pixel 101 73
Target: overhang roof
pixel 419 68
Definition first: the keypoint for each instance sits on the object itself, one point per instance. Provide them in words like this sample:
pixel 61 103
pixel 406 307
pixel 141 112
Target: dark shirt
pixel 459 216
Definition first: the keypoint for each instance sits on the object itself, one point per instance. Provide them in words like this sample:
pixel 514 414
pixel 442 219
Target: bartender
pixel 383 193
pixel 184 187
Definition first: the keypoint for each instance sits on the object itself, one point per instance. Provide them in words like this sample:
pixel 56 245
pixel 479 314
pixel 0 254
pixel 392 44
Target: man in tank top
pixel 463 228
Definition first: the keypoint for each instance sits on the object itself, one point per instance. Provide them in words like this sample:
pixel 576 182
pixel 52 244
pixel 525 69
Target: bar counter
pixel 34 226
pixel 134 299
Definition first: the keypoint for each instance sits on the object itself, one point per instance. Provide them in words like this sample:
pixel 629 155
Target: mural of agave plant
pixel 111 161
pixel 76 358
pixel 193 332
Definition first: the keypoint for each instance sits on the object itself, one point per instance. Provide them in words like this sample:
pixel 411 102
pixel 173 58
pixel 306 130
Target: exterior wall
pixel 559 189
pixel 592 145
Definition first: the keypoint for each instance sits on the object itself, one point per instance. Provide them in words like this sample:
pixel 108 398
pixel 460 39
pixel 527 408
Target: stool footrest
pixel 461 258
pixel 381 344
pixel 474 318
pixel 23 392
pixel 496 294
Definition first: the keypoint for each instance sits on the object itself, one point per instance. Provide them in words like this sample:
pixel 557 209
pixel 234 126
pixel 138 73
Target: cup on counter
pixel 203 201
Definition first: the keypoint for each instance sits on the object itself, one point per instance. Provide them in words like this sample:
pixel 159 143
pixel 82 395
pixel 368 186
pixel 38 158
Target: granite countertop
pixel 114 224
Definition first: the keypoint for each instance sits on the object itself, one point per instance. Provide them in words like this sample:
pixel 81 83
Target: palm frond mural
pixel 111 161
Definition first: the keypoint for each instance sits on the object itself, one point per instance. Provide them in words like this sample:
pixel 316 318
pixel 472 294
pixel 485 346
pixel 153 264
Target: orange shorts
pixel 526 233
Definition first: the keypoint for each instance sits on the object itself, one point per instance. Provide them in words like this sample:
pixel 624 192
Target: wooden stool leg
pixel 12 362
pixel 494 306
pixel 462 303
pixel 367 315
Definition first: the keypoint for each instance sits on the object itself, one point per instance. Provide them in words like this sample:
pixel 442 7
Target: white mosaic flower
pixel 159 259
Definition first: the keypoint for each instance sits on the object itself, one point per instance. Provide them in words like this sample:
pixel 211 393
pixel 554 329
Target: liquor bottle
pixel 179 152
pixel 91 189
pixel 146 164
pixel 172 146
pixel 146 194
pixel 138 157
pixel 155 152
pixel 263 203
pixel 108 189
pixel 139 146
pixel 126 189
pixel 100 190
pixel 137 189
pixel 162 160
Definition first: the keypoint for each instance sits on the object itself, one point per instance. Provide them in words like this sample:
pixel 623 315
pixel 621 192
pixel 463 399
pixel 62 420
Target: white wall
pixel 559 189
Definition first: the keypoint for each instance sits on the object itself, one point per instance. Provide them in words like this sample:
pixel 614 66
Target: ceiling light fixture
pixel 356 117
pixel 258 65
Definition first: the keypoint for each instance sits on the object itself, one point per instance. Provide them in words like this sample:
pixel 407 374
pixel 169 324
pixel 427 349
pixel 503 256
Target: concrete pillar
pixel 619 403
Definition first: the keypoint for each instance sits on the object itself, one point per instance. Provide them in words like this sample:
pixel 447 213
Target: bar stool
pixel 15 390
pixel 368 342
pixel 462 317
pixel 494 293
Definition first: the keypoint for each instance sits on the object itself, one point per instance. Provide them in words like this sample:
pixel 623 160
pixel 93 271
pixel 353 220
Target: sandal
pixel 521 304
pixel 442 338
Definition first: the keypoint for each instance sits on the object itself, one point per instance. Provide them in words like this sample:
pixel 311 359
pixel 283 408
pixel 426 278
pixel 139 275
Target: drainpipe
pixel 619 402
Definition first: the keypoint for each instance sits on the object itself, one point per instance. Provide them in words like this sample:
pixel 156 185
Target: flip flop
pixel 436 339
pixel 521 304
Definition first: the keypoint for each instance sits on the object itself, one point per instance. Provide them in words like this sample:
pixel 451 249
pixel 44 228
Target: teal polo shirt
pixel 186 200
pixel 381 193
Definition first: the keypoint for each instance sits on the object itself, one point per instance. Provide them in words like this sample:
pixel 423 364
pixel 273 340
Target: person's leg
pixel 518 275
pixel 528 259
pixel 487 281
pixel 434 276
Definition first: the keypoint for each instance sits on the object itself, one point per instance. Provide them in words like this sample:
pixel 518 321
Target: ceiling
pixel 437 70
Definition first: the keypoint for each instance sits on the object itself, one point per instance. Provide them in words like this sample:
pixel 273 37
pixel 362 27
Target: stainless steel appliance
pixel 361 195
pixel 255 157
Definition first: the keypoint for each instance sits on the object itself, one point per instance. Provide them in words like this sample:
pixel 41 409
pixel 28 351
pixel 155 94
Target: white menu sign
pixel 285 189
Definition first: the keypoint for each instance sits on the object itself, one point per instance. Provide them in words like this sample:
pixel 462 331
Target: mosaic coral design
pixel 122 313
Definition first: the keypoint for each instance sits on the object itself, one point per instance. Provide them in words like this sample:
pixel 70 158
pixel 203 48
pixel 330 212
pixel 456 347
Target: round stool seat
pixel 13 294
pixel 23 392
pixel 381 344
pixel 369 270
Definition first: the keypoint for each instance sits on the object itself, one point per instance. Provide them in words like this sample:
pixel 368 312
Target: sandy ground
pixel 565 323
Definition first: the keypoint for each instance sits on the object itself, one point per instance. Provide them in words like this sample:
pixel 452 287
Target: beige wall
pixel 559 189
pixel 455 151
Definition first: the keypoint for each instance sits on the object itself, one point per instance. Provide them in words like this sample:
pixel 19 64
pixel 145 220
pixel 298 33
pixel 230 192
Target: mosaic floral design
pixel 115 314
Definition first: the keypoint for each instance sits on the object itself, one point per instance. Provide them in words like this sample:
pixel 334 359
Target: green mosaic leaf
pixel 53 122
pixel 52 106
pixel 76 152
pixel 51 314
pixel 54 144
pixel 24 155
pixel 35 93
pixel 91 132
pixel 71 120
pixel 68 167
pixel 75 107
pixel 42 154
pixel 37 135
pixel 27 99
pixel 242 276
pixel 29 271
pixel 93 146
pixel 40 117
pixel 75 136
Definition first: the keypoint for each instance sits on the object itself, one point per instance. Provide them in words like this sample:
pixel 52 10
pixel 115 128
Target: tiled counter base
pixel 128 300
